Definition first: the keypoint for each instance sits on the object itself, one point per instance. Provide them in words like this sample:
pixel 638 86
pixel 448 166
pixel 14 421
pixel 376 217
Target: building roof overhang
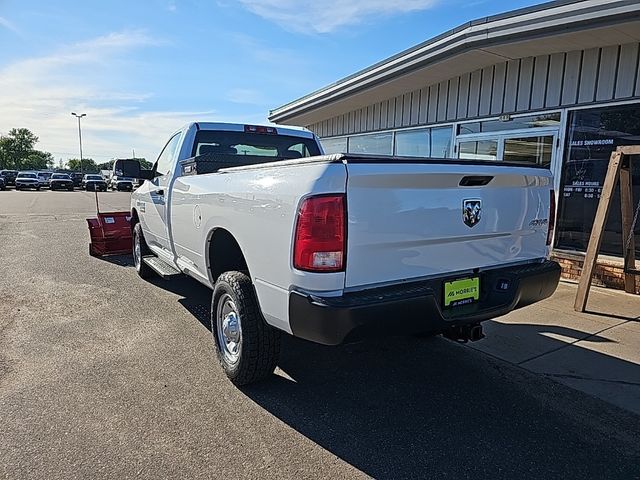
pixel 553 27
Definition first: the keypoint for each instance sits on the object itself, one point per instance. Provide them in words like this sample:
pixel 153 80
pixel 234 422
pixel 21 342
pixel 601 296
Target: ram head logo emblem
pixel 471 211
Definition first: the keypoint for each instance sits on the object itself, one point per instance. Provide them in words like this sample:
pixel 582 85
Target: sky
pixel 142 69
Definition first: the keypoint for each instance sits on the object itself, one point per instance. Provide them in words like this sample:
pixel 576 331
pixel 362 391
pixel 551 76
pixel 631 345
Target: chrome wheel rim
pixel 228 329
pixel 136 251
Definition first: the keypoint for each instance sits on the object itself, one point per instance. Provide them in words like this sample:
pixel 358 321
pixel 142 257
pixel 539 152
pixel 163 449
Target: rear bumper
pixel 416 307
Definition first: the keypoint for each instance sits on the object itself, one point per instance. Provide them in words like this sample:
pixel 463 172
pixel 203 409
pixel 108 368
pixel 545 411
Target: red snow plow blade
pixel 110 234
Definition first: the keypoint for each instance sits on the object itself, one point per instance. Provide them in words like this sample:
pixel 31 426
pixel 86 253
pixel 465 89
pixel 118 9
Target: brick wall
pixel 608 273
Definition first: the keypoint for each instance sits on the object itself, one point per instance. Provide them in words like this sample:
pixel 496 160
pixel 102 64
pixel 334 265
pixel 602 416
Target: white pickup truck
pixel 333 248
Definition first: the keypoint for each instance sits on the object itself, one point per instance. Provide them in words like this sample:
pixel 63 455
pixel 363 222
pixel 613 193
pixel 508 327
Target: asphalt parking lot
pixel 103 375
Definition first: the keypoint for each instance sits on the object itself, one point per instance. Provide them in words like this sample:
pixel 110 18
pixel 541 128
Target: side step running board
pixel 160 267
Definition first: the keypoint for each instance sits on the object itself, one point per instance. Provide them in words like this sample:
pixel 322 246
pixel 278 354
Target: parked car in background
pixel 3 186
pixel 121 184
pixel 77 178
pixel 26 180
pixel 9 177
pixel 94 182
pixel 43 178
pixel 61 181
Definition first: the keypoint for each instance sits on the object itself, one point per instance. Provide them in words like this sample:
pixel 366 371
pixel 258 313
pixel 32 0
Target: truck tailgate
pixel 405 220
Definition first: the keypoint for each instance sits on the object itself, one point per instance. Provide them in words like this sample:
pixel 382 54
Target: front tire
pixel 140 249
pixel 246 346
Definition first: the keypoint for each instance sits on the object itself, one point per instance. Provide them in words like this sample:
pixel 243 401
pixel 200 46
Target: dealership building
pixel 555 85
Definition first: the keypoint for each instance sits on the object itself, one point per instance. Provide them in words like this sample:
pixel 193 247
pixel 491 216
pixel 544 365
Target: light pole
pixel 79 116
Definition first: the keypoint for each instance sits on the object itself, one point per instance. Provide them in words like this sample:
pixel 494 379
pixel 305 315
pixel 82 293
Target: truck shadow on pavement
pixel 195 297
pixel 430 408
pixel 408 408
pixel 120 260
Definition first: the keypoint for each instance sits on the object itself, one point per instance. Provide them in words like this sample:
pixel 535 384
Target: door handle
pixel 160 191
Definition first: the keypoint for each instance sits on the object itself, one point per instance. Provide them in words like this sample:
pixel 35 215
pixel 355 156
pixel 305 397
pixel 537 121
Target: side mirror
pixel 131 168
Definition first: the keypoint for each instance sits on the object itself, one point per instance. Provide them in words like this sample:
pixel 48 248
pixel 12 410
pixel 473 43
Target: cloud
pixel 246 95
pixel 325 16
pixel 40 92
pixel 7 24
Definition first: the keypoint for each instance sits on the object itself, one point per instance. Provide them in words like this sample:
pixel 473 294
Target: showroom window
pixel 334 145
pixel 424 142
pixel 592 135
pixel 377 143
pixel 414 143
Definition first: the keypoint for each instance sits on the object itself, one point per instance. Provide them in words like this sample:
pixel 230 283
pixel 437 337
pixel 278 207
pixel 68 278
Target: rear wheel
pixel 140 249
pixel 246 346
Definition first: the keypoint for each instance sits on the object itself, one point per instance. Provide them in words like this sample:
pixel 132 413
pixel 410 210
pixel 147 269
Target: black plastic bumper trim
pixel 416 307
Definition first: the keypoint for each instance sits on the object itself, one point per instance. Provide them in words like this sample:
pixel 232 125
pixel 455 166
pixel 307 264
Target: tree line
pixel 18 152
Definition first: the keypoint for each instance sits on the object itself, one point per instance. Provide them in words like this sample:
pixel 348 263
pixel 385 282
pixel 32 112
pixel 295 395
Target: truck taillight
pixel 552 216
pixel 320 237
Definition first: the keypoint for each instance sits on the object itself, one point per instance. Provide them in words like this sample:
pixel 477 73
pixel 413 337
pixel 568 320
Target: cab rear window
pixel 242 144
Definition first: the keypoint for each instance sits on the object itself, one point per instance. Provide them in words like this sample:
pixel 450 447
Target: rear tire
pixel 246 346
pixel 140 249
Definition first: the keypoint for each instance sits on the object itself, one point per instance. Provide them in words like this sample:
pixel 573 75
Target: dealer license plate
pixel 461 292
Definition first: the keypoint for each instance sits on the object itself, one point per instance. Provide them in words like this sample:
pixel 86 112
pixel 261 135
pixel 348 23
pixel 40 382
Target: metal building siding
pixel 497 91
pixel 589 75
pixel 525 80
pixel 554 80
pixel 415 107
pixel 397 122
pixel 453 96
pixel 424 105
pixel 406 109
pixel 474 93
pixel 391 113
pixel 627 70
pixel 539 83
pixel 607 73
pixel 433 104
pixel 463 95
pixel 511 86
pixel 443 101
pixel 548 81
pixel 571 81
pixel 486 88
